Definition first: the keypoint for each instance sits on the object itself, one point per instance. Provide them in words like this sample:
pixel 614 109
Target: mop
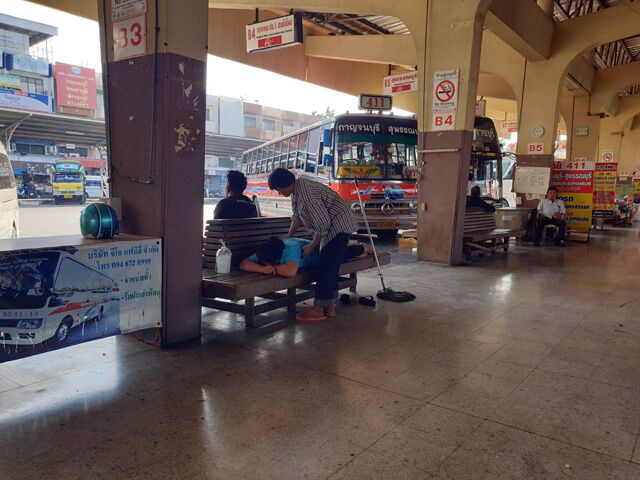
pixel 386 293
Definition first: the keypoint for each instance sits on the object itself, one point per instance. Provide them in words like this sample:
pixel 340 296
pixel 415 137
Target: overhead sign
pixel 375 102
pixel 122 9
pixel 606 156
pixel 574 181
pixel 444 121
pixel 75 86
pixel 130 37
pixel 401 83
pixel 604 189
pixel 481 108
pixel 445 91
pixel 275 33
pixel 510 126
pixel 535 148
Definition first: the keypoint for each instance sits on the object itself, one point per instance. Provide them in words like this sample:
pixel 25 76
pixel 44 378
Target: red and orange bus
pixel 378 150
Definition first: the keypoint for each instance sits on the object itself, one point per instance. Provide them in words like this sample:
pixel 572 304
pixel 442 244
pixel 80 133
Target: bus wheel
pixel 386 234
pixel 62 333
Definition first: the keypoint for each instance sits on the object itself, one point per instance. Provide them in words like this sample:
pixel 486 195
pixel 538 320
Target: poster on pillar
pixel 574 181
pixel 445 91
pixel 53 297
pixel 604 189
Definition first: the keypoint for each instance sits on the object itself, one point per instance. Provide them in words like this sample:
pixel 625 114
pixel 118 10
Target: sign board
pixel 510 126
pixel 32 102
pixel 574 181
pixel 401 83
pixel 481 108
pixel 532 180
pixel 535 148
pixel 275 33
pixel 444 121
pixel 29 64
pixel 130 37
pixel 121 9
pixel 582 131
pixel 375 102
pixel 11 82
pixel 604 189
pixel 445 91
pixel 75 86
pixel 607 156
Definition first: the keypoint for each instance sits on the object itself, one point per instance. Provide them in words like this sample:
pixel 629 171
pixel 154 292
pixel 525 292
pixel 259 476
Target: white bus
pixel 43 295
pixel 8 198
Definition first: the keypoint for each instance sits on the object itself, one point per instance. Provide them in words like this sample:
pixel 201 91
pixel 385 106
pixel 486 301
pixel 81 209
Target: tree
pixel 328 113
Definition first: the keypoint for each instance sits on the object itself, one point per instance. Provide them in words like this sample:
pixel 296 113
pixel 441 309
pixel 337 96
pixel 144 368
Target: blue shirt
pixel 293 253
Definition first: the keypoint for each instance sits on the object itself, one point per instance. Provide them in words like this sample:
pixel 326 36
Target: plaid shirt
pixel 321 210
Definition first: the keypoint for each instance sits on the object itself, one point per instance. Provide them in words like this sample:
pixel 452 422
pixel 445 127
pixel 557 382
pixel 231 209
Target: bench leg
pixel 353 276
pixel 291 294
pixel 249 312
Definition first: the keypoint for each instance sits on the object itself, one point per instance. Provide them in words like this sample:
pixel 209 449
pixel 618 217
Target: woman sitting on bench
pixel 284 256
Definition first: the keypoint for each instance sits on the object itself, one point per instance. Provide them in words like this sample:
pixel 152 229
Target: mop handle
pixel 366 223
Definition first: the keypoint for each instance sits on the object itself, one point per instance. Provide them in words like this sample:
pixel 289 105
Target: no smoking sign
pixel 445 91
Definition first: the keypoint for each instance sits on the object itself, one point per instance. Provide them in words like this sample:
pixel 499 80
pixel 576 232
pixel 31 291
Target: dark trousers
pixel 541 223
pixel 331 256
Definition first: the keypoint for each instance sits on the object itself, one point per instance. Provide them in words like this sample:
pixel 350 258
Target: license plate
pixel 386 224
pixel 68 196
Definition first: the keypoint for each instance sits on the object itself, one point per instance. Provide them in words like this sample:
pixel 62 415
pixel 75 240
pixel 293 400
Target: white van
pixel 43 295
pixel 8 198
pixel 93 186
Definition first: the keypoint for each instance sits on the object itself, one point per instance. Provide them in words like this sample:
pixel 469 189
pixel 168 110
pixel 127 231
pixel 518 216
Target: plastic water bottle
pixel 223 259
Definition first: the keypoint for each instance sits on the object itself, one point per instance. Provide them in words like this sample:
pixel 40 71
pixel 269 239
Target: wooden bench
pixel 251 294
pixel 481 235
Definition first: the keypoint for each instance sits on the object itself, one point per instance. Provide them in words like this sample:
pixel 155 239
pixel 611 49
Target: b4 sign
pixel 444 121
pixel 535 148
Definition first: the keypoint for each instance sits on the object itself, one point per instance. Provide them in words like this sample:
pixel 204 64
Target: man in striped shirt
pixel 331 221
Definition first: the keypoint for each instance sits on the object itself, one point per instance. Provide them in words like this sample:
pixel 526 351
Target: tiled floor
pixel 524 367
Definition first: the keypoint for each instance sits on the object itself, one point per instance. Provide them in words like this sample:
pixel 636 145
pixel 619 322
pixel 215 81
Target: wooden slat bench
pixel 481 235
pixel 238 291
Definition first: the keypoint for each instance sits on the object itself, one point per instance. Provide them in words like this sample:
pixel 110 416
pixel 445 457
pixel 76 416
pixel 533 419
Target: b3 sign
pixel 130 38
pixel 535 148
pixel 444 121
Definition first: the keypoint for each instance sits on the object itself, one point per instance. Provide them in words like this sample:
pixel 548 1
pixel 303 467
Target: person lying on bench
pixel 475 200
pixel 284 256
pixel 551 211
pixel 237 204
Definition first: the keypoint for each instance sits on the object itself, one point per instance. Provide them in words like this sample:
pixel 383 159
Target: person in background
pixel 551 211
pixel 474 200
pixel 236 205
pixel 331 221
pixel 283 257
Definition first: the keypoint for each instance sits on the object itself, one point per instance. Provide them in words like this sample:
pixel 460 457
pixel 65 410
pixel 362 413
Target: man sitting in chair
pixel 551 211
pixel 283 257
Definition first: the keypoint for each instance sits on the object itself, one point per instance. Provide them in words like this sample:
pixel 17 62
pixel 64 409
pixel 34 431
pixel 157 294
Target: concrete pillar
pixel 629 151
pixel 453 41
pixel 546 6
pixel 583 137
pixel 156 125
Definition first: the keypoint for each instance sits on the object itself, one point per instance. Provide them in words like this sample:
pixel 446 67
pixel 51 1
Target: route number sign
pixel 375 102
pixel 535 148
pixel 130 38
pixel 444 121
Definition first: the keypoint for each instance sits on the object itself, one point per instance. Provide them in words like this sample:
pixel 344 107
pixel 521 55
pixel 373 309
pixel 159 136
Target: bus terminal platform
pixel 517 366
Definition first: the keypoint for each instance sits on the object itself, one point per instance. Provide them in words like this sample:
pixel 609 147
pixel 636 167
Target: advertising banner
pixel 25 101
pixel 604 189
pixel 12 82
pixel 75 86
pixel 52 298
pixel 27 63
pixel 574 181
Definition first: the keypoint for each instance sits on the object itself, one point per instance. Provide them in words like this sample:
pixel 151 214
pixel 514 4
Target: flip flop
pixel 368 301
pixel 307 317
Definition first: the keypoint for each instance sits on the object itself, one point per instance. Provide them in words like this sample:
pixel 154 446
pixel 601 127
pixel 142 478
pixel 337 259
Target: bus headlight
pixel 31 323
pixel 356 208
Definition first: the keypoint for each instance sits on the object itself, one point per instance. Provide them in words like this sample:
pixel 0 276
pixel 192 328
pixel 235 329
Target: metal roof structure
pixel 37 32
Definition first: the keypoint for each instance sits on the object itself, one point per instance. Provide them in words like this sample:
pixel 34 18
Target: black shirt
pixel 235 207
pixel 478 202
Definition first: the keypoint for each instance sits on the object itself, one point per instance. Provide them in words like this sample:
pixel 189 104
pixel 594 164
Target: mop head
pixel 393 296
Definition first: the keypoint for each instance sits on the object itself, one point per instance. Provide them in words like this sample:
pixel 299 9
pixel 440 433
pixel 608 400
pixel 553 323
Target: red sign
pixel 75 86
pixel 445 90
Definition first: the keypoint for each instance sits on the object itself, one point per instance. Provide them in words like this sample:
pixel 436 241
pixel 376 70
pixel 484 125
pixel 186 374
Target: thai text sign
pixel 75 86
pixel 574 181
pixel 604 189
pixel 275 33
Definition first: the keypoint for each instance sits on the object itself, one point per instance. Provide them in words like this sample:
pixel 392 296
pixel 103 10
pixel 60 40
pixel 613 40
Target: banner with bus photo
pixel 574 181
pixel 52 298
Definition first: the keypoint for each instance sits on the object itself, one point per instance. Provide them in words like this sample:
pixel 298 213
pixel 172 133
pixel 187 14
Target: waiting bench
pixel 251 294
pixel 481 235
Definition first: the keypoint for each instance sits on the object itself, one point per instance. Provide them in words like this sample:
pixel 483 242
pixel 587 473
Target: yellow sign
pixel 359 171
pixel 604 189
pixel 578 207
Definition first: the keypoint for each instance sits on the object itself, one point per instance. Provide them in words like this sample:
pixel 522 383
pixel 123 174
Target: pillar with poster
pixel 574 181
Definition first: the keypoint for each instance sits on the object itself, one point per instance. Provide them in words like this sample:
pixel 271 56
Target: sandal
pixel 330 311
pixel 368 301
pixel 309 316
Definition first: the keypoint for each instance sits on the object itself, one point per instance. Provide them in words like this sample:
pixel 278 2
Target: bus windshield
pixel 382 148
pixel 68 178
pixel 26 279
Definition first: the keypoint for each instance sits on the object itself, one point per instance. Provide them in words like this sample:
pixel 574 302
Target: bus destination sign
pixel 375 102
pixel 275 33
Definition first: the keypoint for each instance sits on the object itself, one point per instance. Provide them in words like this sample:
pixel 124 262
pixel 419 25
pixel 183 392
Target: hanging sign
pixel 401 83
pixel 275 33
pixel 130 37
pixel 445 91
pixel 510 126
pixel 604 189
pixel 574 181
pixel 374 102
pixel 122 9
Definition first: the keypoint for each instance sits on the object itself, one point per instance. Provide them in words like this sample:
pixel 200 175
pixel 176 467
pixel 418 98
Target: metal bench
pixel 251 294
pixel 481 235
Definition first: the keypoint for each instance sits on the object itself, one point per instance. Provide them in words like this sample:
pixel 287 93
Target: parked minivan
pixel 93 186
pixel 8 198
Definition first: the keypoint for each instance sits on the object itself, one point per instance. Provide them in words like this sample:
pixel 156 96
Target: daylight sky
pixel 78 43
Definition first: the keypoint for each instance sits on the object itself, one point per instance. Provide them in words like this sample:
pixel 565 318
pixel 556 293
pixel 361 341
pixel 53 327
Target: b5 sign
pixel 444 121
pixel 535 148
